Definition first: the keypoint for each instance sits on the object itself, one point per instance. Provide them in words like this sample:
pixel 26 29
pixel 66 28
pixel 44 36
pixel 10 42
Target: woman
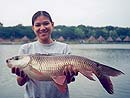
pixel 43 25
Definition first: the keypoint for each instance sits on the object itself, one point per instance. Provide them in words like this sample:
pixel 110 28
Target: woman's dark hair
pixel 41 13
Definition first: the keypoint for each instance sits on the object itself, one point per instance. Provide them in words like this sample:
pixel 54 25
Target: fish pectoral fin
pixel 62 88
pixel 87 74
pixel 59 79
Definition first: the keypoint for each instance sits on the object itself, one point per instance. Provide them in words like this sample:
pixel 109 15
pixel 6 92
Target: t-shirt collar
pixel 47 45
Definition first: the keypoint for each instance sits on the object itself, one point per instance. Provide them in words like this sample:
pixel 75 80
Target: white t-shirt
pixel 44 89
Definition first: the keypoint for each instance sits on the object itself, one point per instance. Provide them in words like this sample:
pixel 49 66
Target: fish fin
pixel 87 74
pixel 39 54
pixel 49 54
pixel 109 70
pixel 106 83
pixel 59 79
pixel 35 74
pixel 62 87
pixel 103 72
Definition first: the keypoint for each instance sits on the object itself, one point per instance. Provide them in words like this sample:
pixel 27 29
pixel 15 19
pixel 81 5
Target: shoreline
pixel 68 42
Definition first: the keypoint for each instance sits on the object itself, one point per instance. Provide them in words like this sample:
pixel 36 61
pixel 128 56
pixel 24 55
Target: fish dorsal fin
pixel 39 54
pixel 56 54
pixel 49 54
pixel 59 79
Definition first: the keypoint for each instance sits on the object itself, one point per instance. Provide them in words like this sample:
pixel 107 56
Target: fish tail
pixel 103 73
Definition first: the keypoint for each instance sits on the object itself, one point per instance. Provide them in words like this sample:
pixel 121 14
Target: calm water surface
pixel 114 55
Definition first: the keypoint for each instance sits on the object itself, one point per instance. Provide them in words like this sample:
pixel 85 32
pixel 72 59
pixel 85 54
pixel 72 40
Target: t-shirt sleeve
pixel 23 49
pixel 67 49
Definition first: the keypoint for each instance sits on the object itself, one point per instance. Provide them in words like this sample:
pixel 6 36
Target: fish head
pixel 18 61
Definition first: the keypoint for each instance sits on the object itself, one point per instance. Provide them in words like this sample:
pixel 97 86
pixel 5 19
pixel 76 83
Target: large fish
pixel 48 67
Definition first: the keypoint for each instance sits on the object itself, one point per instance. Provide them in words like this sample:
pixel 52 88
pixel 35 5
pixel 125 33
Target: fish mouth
pixel 9 65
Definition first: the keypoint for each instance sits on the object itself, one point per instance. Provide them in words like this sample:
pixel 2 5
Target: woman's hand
pixel 22 77
pixel 18 72
pixel 70 72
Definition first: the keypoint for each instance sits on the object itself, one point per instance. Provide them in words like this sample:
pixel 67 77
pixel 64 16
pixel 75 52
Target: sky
pixel 96 13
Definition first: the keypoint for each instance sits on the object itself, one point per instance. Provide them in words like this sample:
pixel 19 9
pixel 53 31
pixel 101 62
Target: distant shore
pixel 68 42
pixel 11 43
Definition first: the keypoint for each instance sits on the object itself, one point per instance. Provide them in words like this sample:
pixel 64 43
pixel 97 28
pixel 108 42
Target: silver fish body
pixel 47 67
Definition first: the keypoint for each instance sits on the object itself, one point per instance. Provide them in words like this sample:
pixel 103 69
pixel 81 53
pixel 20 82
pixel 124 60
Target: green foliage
pixel 68 32
pixel 16 32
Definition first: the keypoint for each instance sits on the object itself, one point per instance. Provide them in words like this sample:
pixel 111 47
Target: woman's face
pixel 43 29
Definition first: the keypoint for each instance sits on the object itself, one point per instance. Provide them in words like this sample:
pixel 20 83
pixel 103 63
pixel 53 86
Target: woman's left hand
pixel 70 72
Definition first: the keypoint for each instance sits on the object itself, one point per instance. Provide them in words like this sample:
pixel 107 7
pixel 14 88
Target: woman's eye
pixel 38 25
pixel 46 23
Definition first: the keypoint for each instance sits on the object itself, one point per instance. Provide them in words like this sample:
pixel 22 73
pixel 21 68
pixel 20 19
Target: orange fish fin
pixel 62 87
pixel 87 74
pixel 59 79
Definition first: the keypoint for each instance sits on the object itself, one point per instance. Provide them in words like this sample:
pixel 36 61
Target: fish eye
pixel 17 58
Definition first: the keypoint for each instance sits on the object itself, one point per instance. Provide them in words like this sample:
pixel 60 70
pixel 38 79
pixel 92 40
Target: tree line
pixel 67 32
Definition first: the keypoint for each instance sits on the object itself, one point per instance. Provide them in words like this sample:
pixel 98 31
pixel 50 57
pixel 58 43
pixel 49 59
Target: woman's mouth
pixel 42 34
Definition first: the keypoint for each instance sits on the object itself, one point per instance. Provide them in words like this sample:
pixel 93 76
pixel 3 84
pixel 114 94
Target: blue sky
pixel 68 12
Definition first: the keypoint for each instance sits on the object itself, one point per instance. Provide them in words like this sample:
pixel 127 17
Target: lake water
pixel 114 55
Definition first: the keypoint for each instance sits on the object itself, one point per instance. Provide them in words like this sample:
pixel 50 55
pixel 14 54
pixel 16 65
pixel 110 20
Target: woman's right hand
pixel 22 78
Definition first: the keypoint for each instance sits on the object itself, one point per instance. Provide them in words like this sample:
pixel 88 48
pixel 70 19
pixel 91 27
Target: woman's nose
pixel 42 27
